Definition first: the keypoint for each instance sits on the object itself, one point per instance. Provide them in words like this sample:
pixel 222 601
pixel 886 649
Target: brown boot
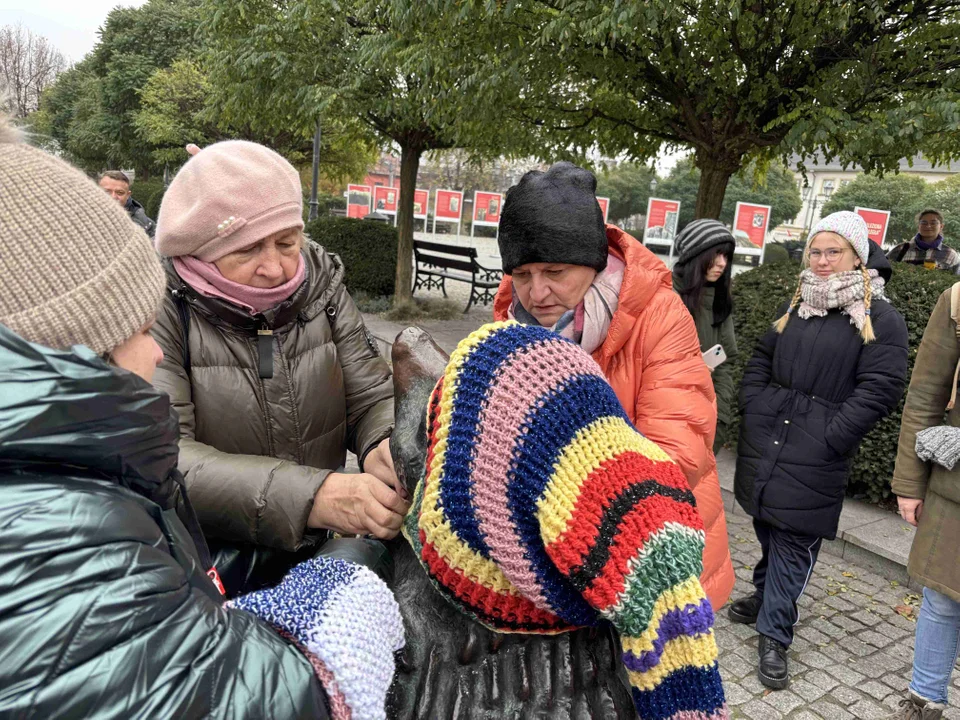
pixel 914 707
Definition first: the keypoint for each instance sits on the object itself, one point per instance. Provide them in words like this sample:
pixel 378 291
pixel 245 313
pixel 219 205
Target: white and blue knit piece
pixel 345 616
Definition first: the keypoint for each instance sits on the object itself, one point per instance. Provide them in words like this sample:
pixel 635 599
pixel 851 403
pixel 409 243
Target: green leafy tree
pixel 903 195
pixel 735 81
pixel 776 188
pixel 290 63
pixel 628 187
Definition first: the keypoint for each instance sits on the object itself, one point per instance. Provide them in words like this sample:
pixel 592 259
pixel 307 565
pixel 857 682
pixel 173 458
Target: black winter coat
pixel 105 607
pixel 807 398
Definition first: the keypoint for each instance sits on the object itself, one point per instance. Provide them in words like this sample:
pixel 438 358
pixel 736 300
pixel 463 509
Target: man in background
pixel 928 248
pixel 117 185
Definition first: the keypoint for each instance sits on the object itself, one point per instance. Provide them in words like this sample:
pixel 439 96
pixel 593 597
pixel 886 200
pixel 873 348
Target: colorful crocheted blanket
pixel 543 509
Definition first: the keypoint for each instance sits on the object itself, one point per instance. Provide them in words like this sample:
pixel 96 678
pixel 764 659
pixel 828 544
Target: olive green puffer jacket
pixel 254 450
pixel 105 608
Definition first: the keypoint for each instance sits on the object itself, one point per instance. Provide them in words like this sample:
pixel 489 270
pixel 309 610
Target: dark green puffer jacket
pixel 105 608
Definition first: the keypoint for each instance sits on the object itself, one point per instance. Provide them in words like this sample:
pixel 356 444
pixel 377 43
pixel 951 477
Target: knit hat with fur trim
pixel 553 217
pixel 228 196
pixel 848 225
pixel 74 269
pixel 543 509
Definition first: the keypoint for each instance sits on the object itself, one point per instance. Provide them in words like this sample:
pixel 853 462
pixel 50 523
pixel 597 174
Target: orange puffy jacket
pixel 652 359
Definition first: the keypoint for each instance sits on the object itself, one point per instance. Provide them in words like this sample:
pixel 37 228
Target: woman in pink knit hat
pixel 271 370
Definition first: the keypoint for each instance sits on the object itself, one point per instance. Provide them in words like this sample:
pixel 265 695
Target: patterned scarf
pixel 587 324
pixel 843 290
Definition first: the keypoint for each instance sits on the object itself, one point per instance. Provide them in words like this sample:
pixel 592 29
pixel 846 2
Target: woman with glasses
pixel 833 364
pixel 928 248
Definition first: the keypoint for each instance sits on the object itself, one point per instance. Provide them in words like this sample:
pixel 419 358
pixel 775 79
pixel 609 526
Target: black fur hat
pixel 553 216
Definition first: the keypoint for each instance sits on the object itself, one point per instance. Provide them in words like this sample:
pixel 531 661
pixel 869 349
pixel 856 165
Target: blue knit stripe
pixel 692 689
pixel 544 434
pixel 474 380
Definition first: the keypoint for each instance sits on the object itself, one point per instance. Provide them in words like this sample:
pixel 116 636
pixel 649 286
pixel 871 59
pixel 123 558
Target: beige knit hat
pixel 74 269
pixel 229 195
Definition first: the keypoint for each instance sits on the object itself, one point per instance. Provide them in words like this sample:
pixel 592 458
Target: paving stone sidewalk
pixel 852 653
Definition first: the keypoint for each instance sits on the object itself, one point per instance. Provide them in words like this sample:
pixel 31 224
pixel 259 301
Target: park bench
pixel 437 262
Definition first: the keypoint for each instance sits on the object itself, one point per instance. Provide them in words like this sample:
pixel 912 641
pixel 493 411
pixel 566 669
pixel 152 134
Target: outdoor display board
pixel 604 206
pixel 877 223
pixel 385 199
pixel 358 201
pixel 448 207
pixel 486 209
pixel 660 227
pixel 750 224
pixel 420 199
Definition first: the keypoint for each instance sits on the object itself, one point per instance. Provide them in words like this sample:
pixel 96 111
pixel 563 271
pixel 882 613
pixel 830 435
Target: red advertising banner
pixel 358 201
pixel 449 206
pixel 604 206
pixel 877 223
pixel 420 199
pixel 661 224
pixel 486 208
pixel 750 227
pixel 385 199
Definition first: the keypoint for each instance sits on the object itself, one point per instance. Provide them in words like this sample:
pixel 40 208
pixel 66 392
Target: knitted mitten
pixel 941 444
pixel 543 509
pixel 346 621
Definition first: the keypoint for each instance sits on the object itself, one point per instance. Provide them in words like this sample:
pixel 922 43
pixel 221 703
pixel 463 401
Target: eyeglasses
pixel 831 254
pixel 929 223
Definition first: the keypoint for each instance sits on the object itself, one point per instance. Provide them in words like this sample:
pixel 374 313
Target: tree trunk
pixel 409 165
pixel 714 176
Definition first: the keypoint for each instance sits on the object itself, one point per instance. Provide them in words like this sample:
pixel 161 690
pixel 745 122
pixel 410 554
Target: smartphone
pixel 714 357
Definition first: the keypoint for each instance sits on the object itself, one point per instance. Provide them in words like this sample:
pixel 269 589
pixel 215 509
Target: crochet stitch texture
pixel 347 622
pixel 543 509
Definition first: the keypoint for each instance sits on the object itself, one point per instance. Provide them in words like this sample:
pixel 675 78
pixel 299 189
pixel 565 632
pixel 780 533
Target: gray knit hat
pixel 74 269
pixel 699 236
pixel 849 226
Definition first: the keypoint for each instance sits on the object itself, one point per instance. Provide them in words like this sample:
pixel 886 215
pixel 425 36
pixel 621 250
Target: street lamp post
pixel 653 185
pixel 314 205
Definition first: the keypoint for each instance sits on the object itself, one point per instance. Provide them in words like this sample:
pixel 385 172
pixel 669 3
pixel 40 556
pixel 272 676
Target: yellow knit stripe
pixel 684 651
pixel 597 443
pixel 436 528
pixel 688 592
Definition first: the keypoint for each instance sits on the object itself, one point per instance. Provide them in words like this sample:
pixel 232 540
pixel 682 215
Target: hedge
pixel 149 193
pixel 368 250
pixel 759 293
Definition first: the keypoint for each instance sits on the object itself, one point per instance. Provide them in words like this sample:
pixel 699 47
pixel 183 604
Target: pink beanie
pixel 228 196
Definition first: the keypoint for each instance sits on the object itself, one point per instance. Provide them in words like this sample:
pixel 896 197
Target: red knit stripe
pixel 636 529
pixel 509 608
pixel 598 491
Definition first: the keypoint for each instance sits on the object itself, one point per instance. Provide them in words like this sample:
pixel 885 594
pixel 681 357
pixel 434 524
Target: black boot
pixel 745 610
pixel 773 663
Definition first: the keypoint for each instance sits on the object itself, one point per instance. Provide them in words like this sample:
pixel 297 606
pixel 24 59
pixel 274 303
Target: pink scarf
pixel 587 324
pixel 207 280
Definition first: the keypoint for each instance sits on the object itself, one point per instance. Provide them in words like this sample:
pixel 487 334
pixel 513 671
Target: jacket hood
pixel 131 206
pixel 644 275
pixel 877 260
pixel 324 276
pixel 68 407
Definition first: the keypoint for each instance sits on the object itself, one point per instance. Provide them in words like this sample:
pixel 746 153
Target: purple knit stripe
pixel 691 621
pixel 720 714
pixel 523 380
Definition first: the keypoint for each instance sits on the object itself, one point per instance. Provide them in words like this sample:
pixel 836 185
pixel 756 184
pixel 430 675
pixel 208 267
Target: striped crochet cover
pixel 543 509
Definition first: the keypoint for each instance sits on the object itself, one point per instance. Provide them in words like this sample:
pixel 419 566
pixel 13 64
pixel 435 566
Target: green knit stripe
pixel 669 557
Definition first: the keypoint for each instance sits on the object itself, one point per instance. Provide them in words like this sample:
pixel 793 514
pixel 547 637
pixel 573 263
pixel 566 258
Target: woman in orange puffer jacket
pixel 601 288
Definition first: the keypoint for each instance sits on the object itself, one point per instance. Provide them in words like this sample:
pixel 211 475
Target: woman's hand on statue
pixel 358 504
pixel 910 509
pixel 379 463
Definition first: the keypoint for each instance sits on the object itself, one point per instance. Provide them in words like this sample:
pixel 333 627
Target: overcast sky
pixel 71 25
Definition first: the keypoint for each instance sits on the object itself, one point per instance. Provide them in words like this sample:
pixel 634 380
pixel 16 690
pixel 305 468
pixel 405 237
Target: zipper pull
pixel 265 352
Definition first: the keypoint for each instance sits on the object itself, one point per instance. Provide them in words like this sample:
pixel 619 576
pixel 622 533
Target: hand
pixel 910 509
pixel 379 463
pixel 358 505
